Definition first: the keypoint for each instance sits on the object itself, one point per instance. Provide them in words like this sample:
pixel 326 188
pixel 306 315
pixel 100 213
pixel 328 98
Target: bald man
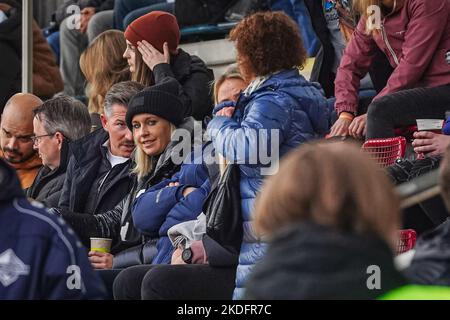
pixel 16 137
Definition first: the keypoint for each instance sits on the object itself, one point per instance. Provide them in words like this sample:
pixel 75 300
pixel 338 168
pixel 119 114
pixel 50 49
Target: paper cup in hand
pixel 434 125
pixel 101 245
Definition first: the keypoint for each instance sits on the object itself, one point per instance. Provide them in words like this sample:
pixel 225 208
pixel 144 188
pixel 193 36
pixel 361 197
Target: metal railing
pixel 27 46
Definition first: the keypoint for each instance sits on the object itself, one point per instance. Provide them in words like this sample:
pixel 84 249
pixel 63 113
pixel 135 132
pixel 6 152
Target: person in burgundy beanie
pixel 154 57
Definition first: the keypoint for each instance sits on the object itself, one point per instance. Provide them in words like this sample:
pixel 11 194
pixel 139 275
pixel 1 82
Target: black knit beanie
pixel 160 100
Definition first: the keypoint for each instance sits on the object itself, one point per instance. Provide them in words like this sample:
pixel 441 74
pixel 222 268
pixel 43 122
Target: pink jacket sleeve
pixel 422 38
pixel 354 65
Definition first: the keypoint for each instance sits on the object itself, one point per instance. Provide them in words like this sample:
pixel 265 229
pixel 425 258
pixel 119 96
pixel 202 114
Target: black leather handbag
pixel 223 219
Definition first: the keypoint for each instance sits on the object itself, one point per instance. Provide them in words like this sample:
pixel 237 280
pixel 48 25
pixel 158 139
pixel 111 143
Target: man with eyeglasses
pixel 57 122
pixel 16 132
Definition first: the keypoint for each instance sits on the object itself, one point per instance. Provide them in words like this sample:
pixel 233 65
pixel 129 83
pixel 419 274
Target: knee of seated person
pixel 378 107
pixel 120 285
pixel 154 282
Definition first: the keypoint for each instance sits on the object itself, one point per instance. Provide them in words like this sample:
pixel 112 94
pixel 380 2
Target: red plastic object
pixel 385 151
pixel 406 240
pixel 406 131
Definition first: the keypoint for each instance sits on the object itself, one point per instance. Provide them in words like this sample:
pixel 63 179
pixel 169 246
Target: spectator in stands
pixel 154 57
pixel 40 258
pixel 16 143
pixel 229 86
pixel 269 53
pixel 153 117
pixel 329 240
pixel 57 122
pixel 75 36
pixel 98 174
pixel 334 22
pixel 126 11
pixel 193 279
pixel 415 35
pixel 46 77
pixel 430 257
pixel 103 66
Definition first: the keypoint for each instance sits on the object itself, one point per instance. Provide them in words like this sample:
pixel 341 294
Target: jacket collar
pixel 89 148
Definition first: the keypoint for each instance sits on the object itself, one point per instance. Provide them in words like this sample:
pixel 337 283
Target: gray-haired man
pixel 98 176
pixel 56 122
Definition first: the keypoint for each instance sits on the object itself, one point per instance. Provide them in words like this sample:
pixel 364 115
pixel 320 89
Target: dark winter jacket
pixel 285 103
pixel 431 261
pixel 162 207
pixel 87 155
pixel 194 79
pixel 117 223
pixel 308 261
pixel 40 258
pixel 47 186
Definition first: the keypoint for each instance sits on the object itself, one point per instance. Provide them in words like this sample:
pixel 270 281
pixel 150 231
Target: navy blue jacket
pixel 286 103
pixel 40 256
pixel 162 207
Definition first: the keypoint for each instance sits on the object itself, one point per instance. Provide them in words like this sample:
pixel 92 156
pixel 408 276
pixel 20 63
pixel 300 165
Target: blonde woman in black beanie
pixel 153 115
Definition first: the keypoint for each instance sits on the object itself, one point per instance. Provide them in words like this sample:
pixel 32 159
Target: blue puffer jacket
pixel 161 207
pixel 285 102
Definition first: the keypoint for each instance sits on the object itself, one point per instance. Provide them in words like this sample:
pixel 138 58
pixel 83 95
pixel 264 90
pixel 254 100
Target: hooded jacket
pixel 415 38
pixel 297 112
pixel 315 262
pixel 39 255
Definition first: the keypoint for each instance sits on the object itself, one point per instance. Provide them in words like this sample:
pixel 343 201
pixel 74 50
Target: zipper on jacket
pixel 388 45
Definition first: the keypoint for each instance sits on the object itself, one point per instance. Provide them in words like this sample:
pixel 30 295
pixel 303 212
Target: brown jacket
pixel 47 79
pixel 26 171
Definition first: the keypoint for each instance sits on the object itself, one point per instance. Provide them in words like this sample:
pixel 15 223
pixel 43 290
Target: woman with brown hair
pixel 278 111
pixel 103 66
pixel 415 37
pixel 154 57
pixel 326 234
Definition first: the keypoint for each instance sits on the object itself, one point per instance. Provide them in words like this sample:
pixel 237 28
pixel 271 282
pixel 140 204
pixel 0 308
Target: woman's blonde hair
pixel 232 72
pixel 103 65
pixel 145 164
pixel 333 185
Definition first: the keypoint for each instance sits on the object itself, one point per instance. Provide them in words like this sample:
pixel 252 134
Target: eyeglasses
pixel 37 139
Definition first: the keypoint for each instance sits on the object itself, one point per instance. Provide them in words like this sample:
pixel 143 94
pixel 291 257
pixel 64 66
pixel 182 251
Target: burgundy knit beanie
pixel 156 28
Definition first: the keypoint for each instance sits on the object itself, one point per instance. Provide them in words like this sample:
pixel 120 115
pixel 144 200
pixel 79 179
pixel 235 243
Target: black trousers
pixel 175 282
pixel 401 109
